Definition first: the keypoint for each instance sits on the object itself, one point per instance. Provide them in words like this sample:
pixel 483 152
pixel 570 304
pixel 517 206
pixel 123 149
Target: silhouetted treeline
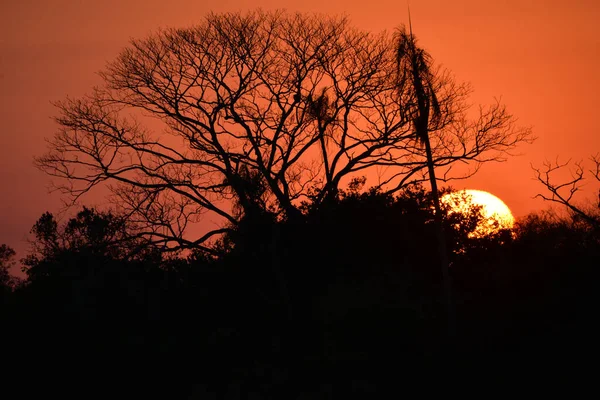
pixel 342 302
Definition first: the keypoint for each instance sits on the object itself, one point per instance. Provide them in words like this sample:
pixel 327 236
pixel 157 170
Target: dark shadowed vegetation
pixel 348 298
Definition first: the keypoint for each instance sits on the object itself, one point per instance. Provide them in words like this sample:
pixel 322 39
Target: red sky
pixel 539 56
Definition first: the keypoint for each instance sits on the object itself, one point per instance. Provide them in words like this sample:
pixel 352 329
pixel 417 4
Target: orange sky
pixel 539 56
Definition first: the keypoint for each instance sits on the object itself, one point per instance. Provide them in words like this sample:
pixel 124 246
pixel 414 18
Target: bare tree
pixel 258 110
pixel 563 191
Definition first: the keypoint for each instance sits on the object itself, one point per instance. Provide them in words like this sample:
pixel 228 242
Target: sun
pixel 497 215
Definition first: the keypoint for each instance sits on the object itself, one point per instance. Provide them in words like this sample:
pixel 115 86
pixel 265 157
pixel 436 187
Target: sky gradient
pixel 539 57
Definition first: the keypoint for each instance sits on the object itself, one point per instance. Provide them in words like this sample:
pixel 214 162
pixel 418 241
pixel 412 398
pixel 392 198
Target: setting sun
pixel 496 214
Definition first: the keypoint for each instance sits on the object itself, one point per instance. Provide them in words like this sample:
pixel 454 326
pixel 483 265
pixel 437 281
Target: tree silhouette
pixel 265 109
pixel 563 191
pixel 415 71
pixel 96 233
pixel 7 261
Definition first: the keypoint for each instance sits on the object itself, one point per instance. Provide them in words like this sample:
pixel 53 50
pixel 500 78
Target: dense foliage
pixel 348 299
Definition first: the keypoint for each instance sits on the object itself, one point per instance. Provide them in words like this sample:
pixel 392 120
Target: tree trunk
pixel 441 239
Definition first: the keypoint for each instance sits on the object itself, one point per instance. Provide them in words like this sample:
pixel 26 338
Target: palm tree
pixel 416 78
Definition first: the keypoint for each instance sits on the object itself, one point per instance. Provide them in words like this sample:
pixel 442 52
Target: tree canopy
pixel 247 114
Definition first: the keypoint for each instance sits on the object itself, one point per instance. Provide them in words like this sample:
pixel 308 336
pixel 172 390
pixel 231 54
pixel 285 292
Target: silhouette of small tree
pixel 96 234
pixel 7 261
pixel 563 191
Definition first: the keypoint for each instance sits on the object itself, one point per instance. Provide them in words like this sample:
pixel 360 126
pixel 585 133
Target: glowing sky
pixel 540 56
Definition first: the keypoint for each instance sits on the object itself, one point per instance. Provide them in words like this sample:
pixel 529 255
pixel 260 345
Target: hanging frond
pixel 415 79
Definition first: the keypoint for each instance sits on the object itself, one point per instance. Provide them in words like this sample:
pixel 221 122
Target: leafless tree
pixel 562 191
pixel 261 111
